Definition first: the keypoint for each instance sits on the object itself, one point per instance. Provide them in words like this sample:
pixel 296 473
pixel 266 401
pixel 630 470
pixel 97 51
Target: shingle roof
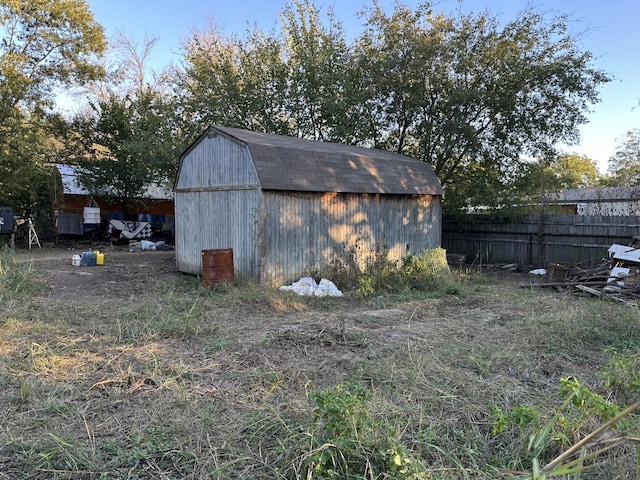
pixel 290 163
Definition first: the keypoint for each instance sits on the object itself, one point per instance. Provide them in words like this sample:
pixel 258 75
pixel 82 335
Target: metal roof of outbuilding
pixel 71 185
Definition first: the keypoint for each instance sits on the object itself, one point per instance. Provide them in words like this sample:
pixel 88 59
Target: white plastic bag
pixel 308 286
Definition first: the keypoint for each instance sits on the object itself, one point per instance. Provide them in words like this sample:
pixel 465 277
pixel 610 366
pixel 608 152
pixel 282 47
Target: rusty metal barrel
pixel 217 266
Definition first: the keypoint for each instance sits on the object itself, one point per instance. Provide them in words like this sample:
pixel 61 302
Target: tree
pixel 471 95
pixel 234 82
pixel 294 83
pixel 318 64
pixel 127 145
pixel 44 44
pixel 126 70
pixel 126 138
pixel 539 182
pixel 624 165
pixel 462 91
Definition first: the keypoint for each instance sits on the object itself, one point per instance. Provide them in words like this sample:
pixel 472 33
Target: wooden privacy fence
pixel 536 239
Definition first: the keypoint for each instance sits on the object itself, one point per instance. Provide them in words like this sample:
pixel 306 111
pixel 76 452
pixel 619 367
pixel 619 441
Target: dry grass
pixel 178 381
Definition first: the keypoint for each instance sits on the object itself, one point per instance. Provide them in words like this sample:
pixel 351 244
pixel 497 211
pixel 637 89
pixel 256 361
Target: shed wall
pixel 217 201
pixel 218 219
pixel 305 232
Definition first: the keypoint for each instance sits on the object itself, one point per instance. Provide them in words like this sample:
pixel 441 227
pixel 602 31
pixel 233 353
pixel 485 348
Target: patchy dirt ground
pixel 123 274
pixel 129 380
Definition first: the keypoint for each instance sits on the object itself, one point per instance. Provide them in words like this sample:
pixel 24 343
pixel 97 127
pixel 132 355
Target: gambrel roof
pixel 295 164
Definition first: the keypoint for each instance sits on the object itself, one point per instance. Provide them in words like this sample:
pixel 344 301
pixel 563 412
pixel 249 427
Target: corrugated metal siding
pixel 305 231
pixel 276 236
pixel 217 161
pixel 210 218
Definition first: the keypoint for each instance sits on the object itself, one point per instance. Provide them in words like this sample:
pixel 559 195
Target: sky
pixel 611 33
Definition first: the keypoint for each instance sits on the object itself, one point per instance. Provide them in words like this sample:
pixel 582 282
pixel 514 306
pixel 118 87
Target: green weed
pixel 348 443
pixel 566 439
pixel 621 374
pixel 427 272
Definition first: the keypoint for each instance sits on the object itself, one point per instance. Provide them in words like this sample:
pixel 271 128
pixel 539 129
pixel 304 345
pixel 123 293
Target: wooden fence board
pixel 537 239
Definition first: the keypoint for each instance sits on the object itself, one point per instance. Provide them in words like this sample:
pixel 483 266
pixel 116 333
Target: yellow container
pixel 99 258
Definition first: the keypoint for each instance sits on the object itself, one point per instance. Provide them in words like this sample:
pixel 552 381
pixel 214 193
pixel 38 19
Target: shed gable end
pixel 217 162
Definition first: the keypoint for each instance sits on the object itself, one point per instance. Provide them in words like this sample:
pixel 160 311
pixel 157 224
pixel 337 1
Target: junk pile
pixel 616 278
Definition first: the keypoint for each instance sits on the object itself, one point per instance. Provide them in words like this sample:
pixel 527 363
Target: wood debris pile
pixel 616 278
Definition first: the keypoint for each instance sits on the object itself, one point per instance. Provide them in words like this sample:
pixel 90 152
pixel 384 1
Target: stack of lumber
pixel 616 278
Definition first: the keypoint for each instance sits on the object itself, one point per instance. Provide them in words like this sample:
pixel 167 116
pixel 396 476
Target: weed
pixel 25 391
pixel 621 374
pixel 17 279
pixel 381 276
pixel 171 380
pixel 558 444
pixel 346 441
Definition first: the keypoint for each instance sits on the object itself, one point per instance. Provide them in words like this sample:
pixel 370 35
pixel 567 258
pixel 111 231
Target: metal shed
pixel 288 206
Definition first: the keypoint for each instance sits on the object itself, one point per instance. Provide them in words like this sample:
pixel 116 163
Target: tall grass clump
pixel 17 279
pixel 427 271
pixel 621 374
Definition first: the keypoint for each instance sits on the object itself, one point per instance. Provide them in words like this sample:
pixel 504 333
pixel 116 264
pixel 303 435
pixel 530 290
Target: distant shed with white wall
pixel 605 201
pixel 288 206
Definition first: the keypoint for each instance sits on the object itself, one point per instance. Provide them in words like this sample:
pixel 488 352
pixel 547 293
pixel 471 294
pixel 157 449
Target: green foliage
pixel 25 174
pixel 154 444
pixel 564 438
pixel 621 374
pixel 624 165
pixel 538 182
pixel 44 44
pixel 129 145
pixel 587 402
pixel 520 416
pixel 471 94
pixel 474 117
pixel 224 81
pixel 347 442
pixel 318 60
pixel 428 271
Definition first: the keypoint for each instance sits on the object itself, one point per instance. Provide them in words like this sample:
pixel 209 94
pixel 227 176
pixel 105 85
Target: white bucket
pixel 91 215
